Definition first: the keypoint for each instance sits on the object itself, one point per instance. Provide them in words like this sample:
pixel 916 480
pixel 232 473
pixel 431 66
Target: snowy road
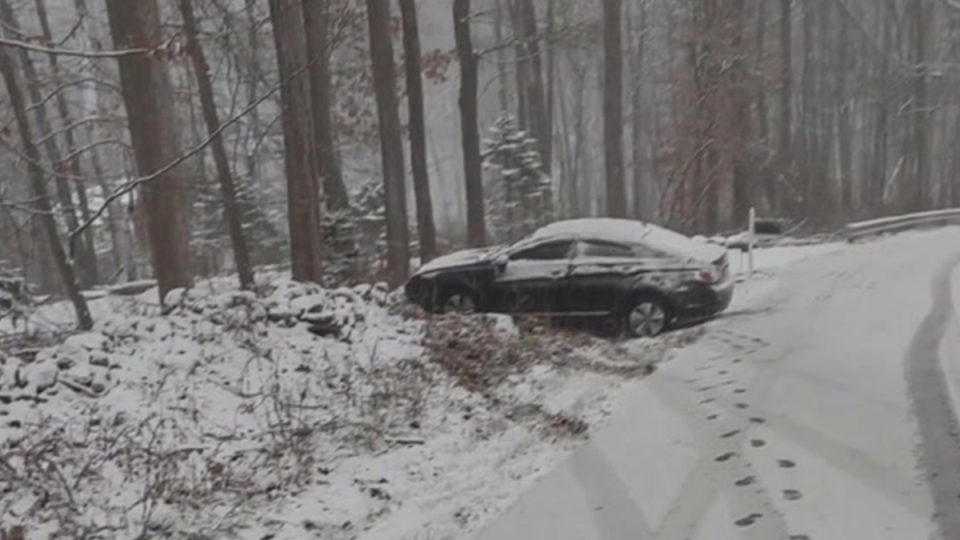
pixel 824 412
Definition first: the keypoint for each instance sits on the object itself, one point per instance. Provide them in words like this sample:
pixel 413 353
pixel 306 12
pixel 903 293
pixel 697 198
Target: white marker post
pixel 751 241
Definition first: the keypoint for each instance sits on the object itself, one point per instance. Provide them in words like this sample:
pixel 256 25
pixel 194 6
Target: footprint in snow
pixel 729 434
pixel 786 464
pixel 800 537
pixel 758 420
pixel 792 494
pixel 746 481
pixel 757 443
pixel 739 391
pixel 725 457
pixel 713 417
pixel 708 400
pixel 742 405
pixel 749 520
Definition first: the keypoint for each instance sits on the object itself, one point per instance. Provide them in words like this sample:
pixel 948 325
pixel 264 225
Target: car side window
pixel 645 252
pixel 551 251
pixel 606 249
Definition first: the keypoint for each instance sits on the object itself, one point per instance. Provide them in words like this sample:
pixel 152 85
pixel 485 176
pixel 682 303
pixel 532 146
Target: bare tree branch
pixel 130 185
pixel 96 119
pixel 76 82
pixel 17 44
pixel 96 144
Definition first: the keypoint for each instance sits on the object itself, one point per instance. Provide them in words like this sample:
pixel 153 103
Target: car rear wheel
pixel 459 302
pixel 648 317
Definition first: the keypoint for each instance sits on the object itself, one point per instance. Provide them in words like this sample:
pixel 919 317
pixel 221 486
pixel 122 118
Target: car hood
pixel 469 257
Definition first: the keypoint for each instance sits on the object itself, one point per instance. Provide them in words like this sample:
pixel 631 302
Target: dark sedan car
pixel 642 276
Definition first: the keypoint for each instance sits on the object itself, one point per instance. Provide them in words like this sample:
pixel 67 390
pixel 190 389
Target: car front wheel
pixel 459 302
pixel 648 317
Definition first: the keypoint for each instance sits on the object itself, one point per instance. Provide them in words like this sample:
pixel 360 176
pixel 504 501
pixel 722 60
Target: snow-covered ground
pixel 812 414
pixel 227 418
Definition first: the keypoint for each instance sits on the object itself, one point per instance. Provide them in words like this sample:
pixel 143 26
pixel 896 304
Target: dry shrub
pixel 475 354
pixel 480 355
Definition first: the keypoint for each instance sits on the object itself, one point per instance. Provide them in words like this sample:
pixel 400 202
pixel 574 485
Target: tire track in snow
pixel 939 429
pixel 614 512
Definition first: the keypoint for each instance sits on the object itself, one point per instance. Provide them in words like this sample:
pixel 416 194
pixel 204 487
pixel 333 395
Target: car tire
pixel 459 301
pixel 646 317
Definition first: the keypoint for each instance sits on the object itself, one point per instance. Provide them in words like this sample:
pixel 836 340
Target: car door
pixel 600 274
pixel 534 277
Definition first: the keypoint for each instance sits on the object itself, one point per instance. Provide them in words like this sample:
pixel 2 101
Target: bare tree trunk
pixel 551 48
pixel 501 57
pixel 253 76
pixel 119 242
pixel 845 117
pixel 738 86
pixel 316 17
pixel 469 124
pixel 579 195
pixel 62 186
pixel 786 92
pixel 522 66
pixel 391 141
pixel 536 95
pixel 40 201
pixel 565 153
pixel 228 190
pixel 878 171
pixel 918 197
pixel 763 119
pixel 952 181
pixel 122 249
pixel 42 258
pixel 637 120
pixel 816 201
pixel 151 115
pixel 303 187
pixel 613 108
pixel 87 254
pixel 418 141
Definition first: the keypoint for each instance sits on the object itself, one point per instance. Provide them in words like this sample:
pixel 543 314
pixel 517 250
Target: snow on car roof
pixel 632 232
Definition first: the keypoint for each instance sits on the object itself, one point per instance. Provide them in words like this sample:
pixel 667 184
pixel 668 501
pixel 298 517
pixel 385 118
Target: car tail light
pixel 708 276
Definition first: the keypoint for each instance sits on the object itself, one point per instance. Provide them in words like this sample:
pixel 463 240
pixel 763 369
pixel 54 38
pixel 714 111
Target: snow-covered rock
pixel 502 325
pixel 92 341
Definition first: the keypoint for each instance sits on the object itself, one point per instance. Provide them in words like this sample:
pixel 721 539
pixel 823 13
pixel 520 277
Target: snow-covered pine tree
pixel 355 238
pixel 520 197
pixel 261 221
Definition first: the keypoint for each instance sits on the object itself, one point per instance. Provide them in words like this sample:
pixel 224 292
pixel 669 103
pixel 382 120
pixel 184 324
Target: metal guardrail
pixel 862 229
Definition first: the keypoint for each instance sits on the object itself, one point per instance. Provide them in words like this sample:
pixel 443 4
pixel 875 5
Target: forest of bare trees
pixel 347 139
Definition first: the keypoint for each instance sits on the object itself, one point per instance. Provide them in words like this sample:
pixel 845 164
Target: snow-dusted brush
pixel 298 411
